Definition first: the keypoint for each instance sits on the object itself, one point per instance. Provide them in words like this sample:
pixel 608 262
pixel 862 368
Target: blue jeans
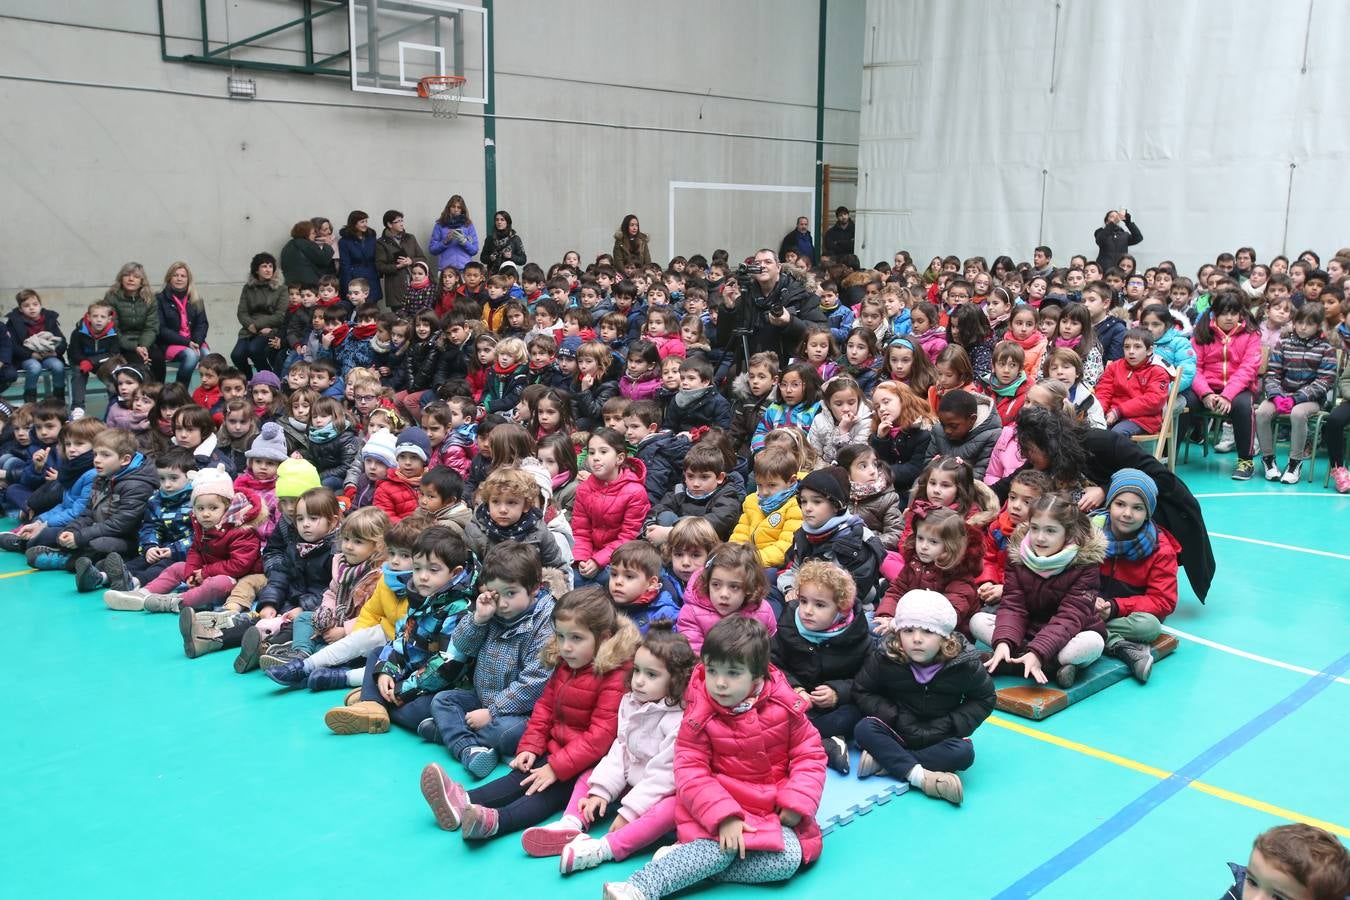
pixel 1127 427
pixel 501 734
pixel 839 721
pixel 32 371
pixel 601 578
pixel 186 361
pixel 303 636
pixel 410 714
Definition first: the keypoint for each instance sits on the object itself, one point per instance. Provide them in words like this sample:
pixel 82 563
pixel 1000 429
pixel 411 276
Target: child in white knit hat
pixel 923 692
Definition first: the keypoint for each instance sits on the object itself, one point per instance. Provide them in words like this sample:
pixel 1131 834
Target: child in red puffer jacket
pixel 571 729
pixel 610 506
pixel 749 773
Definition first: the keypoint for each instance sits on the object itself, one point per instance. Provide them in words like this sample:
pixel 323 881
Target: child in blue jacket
pixel 75 479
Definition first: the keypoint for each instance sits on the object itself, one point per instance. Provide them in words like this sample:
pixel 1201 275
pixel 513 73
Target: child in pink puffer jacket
pixel 731 582
pixel 1228 355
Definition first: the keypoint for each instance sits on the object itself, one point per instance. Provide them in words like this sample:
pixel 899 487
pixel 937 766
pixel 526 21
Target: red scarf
pixel 419 285
pixel 339 335
pixel 365 332
pixel 509 370
pixel 1028 344
pixel 97 334
pixel 328 303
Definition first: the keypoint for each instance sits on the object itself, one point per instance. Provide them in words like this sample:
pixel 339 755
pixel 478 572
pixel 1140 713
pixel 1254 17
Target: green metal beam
pixel 820 125
pixel 254 38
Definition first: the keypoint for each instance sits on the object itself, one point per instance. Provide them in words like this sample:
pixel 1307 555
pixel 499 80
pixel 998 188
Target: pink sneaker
pixel 548 840
pixel 479 822
pixel 1340 476
pixel 445 796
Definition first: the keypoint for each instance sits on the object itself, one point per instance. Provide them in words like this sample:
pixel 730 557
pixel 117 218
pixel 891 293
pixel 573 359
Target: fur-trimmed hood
pixel 614 651
pixel 987 500
pixel 641 237
pixel 1090 553
pixel 274 282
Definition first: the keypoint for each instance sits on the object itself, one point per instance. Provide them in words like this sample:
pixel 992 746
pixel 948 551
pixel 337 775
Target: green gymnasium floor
pixel 134 772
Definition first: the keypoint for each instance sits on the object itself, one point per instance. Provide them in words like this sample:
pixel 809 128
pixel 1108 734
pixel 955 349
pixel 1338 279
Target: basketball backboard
pixel 396 42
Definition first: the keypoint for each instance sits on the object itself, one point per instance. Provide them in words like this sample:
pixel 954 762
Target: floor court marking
pixel 17 574
pixel 1133 812
pixel 1279 664
pixel 1145 768
pixel 1278 546
pixel 1332 495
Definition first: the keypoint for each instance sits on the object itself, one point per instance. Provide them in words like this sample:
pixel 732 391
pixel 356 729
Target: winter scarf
pixel 684 399
pixel 1068 342
pixel 819 534
pixel 1048 566
pixel 395 580
pixel 72 468
pixel 841 623
pixel 1002 530
pixel 524 527
pixel 861 490
pixel 323 435
pixel 304 548
pixel 1140 545
pixel 365 332
pixel 1006 390
pixel 772 503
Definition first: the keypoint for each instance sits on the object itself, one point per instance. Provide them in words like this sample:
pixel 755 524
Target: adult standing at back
pixel 839 238
pixel 799 241
pixel 395 251
pixel 1116 236
pixel 137 313
pixel 356 244
pixel 503 245
pixel 304 260
pixel 262 317
pixel 631 246
pixel 182 325
pixel 454 240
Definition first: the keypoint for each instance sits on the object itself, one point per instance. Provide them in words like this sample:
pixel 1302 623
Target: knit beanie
pixel 268 378
pixel 535 469
pixel 269 444
pixel 295 476
pixel 569 346
pixel 213 482
pixel 1136 482
pixel 831 482
pixel 926 610
pixel 413 440
pixel 381 446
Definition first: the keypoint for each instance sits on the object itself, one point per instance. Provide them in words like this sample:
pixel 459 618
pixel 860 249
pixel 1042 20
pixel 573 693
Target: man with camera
pixel 764 308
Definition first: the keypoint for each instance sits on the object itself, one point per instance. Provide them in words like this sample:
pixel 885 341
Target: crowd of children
pixel 536 518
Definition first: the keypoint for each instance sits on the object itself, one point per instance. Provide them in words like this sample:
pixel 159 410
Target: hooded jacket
pixel 297 575
pixel 1043 614
pixel 698 615
pixel 421 657
pixel 705 407
pixel 623 254
pixel 477 534
pixel 509 673
pixel 116 502
pixel 851 546
pixel 606 514
pixel 1111 334
pixel 770 533
pixel 1137 393
pixel 952 705
pixel 450 253
pixel 977 446
pixel 1227 365
pixel 577 717
pixel 231 548
pixel 722 509
pixel 397 496
pixel 168 523
pixel 1145 585
pixel 749 765
pixel 833 662
pixel 333 458
pixel 137 321
pixel 957 584
pixel 641 761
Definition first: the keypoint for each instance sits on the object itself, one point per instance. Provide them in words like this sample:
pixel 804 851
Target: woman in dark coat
pixel 1069 452
pixel 395 252
pixel 262 316
pixel 304 260
pixel 182 325
pixel 502 244
pixel 630 244
pixel 356 247
pixel 1116 236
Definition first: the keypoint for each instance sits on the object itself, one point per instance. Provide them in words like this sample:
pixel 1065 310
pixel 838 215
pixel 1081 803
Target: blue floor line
pixel 1133 812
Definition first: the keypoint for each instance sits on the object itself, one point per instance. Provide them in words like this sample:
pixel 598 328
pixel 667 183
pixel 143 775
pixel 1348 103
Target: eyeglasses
pixel 366 398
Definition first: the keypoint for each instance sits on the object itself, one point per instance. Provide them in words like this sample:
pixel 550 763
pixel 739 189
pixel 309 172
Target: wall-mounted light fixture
pixel 242 88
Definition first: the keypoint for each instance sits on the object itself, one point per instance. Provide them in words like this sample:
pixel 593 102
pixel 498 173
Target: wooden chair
pixel 1166 437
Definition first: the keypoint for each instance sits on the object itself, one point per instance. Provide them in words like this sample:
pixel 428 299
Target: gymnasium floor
pixel 132 771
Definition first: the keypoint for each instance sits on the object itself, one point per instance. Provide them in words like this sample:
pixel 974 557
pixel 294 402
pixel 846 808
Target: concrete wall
pixel 111 154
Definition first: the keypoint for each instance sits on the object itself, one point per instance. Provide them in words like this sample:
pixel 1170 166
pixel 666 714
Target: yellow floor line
pixel 1202 787
pixel 17 574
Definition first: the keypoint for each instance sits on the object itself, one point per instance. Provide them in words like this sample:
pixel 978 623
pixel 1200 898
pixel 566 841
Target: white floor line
pixel 1277 546
pixel 1302 670
pixel 1331 495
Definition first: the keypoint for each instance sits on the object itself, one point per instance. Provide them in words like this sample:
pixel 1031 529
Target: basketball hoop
pixel 444 92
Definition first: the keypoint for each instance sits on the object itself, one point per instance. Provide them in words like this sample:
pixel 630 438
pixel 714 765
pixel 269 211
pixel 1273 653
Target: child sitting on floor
pixel 508 510
pixel 708 491
pixel 1047 616
pixel 924 692
pixel 749 774
pixel 1293 861
pixel 639 767
pixel 1027 486
pixel 398 494
pixel 73 484
pixel 942 553
pixel 165 535
pixel 820 646
pixel 636 588
pixel 830 532
pixel 685 551
pixel 1139 573
pixel 771 516
pixel 610 505
pixel 731 583
pixel 570 730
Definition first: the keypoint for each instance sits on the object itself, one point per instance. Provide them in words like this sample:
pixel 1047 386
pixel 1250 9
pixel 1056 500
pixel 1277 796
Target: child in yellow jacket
pixel 375 624
pixel 771 516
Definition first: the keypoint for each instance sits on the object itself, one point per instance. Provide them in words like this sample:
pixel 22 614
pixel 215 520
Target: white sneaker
pixel 76 414
pixel 622 890
pixel 1271 468
pixel 126 601
pixel 584 853
pixel 663 852
pixel 1226 440
pixel 1293 473
pixel 868 766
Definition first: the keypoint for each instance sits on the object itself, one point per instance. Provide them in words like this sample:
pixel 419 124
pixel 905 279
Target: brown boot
pixel 943 786
pixel 353 697
pixel 364 717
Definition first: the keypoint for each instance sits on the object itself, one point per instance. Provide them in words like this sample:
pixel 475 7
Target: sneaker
pixel 836 754
pixel 127 601
pixel 76 414
pixel 114 570
pixel 582 854
pixel 1271 467
pixel 551 839
pixel 480 761
pixel 622 890
pixel 427 731
pixel 1292 472
pixel 868 766
pixel 163 603
pixel 944 786
pixel 327 679
pixel 446 797
pixel 87 578
pixel 477 823
pixel 200 631
pixel 1226 440
pixel 662 852
pixel 250 648
pixel 1068 674
pixel 1136 656
pixel 280 654
pixel 47 558
pixel 365 717
pixel 288 674
pixel 1244 470
pixel 12 542
pixel 1340 477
